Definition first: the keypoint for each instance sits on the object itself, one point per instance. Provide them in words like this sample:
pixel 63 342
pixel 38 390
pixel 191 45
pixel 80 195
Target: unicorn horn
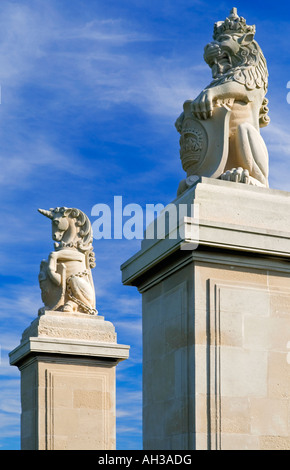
pixel 46 213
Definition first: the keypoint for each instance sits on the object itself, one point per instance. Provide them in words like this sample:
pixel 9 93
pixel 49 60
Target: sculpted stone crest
pixel 65 278
pixel 220 129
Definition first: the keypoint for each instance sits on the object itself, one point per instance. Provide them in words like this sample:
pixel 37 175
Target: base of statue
pixel 67 364
pixel 216 322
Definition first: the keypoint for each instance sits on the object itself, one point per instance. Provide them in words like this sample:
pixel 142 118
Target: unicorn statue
pixel 65 279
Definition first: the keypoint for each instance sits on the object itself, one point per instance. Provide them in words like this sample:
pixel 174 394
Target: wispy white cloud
pixel 20 302
pixel 91 56
pixel 82 66
pixel 8 372
pixel 131 327
pixel 19 165
pixel 9 425
pixel 277 139
pixel 129 405
pixel 9 408
pixel 112 30
pixel 9 398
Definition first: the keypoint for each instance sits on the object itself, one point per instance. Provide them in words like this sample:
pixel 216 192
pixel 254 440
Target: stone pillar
pixel 67 363
pixel 216 323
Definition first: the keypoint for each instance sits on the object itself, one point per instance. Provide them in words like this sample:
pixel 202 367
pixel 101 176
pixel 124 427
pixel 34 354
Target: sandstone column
pixel 216 322
pixel 68 385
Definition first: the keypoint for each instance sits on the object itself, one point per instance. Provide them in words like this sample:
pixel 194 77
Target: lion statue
pixel 65 279
pixel 240 81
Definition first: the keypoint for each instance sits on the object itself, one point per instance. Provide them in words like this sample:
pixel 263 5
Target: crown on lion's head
pixel 233 24
pixel 235 55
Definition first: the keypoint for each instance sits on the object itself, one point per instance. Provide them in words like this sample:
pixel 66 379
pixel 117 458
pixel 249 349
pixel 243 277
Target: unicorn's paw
pixel 70 306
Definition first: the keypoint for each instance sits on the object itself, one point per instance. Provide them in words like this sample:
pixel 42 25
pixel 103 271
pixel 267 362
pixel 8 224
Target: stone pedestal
pixel 67 364
pixel 216 323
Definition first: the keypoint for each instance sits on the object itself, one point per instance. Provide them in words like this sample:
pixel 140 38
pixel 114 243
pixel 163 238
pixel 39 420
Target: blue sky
pixel 90 94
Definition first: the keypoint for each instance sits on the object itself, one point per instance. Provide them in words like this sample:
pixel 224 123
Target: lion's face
pixel 228 52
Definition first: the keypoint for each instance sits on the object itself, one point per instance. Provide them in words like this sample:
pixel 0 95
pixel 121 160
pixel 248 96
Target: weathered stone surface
pixel 67 363
pixel 54 324
pixel 65 278
pixel 68 355
pixel 216 324
pixel 220 129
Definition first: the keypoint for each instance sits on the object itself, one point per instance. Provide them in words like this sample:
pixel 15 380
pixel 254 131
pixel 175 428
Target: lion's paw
pixel 237 175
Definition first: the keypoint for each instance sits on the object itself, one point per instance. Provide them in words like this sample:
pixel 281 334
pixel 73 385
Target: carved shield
pixel 53 296
pixel 204 144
